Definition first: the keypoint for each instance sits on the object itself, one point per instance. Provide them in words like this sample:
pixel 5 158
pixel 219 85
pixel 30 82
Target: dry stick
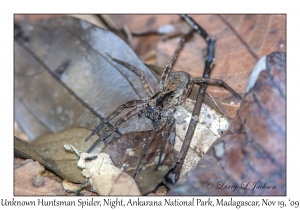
pixel 201 93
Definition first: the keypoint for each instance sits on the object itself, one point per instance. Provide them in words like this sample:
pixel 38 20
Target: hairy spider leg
pixel 216 82
pixel 195 26
pixel 186 92
pixel 138 72
pixel 169 126
pixel 153 133
pixel 173 58
pixel 127 104
pixel 209 61
pixel 136 110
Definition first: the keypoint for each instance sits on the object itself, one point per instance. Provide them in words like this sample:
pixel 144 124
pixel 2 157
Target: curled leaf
pixel 105 178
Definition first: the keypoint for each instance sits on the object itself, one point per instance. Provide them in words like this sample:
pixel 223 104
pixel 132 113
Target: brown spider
pixel 160 107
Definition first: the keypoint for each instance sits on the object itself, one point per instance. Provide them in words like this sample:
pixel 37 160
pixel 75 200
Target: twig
pixel 200 96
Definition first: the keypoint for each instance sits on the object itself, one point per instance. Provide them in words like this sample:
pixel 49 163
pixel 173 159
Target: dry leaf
pixel 241 41
pixel 62 114
pixel 28 180
pixel 64 77
pixel 72 189
pixel 139 24
pixel 249 159
pixel 23 150
pixel 211 126
pixel 125 153
pixel 105 178
pixel 211 20
pixel 48 150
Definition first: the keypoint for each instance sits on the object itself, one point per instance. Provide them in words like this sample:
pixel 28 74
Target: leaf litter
pixel 103 175
pixel 124 151
pixel 50 150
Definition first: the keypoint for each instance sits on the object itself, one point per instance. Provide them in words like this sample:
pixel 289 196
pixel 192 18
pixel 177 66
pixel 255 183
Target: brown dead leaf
pixel 22 149
pixel 105 178
pixel 241 41
pixel 139 24
pixel 49 151
pixel 28 180
pixel 125 153
pixel 250 158
pixel 143 23
pixel 161 190
pixel 71 189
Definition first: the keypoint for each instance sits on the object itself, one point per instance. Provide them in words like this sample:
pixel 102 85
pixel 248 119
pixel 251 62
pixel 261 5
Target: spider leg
pixel 153 133
pixel 186 92
pixel 195 26
pixel 209 61
pixel 172 60
pixel 127 104
pixel 138 72
pixel 136 110
pixel 216 82
pixel 168 128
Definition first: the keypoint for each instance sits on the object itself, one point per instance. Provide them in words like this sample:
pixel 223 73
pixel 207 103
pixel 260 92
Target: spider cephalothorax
pixel 169 97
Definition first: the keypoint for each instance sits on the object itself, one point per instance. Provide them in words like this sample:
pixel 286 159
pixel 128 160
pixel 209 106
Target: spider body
pixel 159 104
